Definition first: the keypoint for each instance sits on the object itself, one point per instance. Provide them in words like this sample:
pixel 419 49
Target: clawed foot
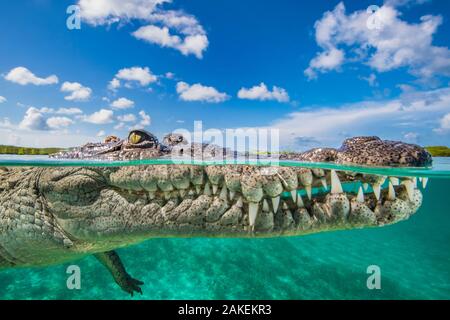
pixel 131 285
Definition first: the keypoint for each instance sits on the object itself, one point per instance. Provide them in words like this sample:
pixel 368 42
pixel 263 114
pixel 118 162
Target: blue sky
pixel 158 64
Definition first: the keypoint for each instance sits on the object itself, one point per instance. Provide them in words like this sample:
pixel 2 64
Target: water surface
pixel 414 257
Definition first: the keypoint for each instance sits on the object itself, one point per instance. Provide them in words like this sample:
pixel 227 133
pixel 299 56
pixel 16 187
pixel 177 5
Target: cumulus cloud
pixel 166 28
pixel 145 119
pixel 444 124
pixel 2 99
pixel 23 76
pixel 262 93
pixel 102 116
pixel 35 119
pixel 122 103
pixel 59 122
pixel 394 43
pixel 330 59
pixel 198 92
pixel 77 91
pixel 127 118
pixel 193 44
pixel 134 75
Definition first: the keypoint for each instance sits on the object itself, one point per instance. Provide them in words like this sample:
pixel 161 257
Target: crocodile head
pixel 108 207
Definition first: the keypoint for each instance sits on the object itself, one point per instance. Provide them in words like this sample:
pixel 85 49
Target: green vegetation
pixel 439 151
pixel 27 151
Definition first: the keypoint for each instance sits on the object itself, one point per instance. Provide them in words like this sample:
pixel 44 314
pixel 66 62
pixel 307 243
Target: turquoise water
pixel 414 257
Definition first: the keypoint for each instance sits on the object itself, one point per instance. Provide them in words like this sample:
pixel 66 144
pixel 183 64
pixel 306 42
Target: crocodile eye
pixel 134 138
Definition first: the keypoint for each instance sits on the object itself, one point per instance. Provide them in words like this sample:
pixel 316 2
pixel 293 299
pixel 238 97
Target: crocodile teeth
pixel 182 193
pixel 294 195
pixel 395 181
pixel 324 182
pixel 409 185
pixel 223 193
pixel 365 186
pixel 151 195
pixel 215 187
pixel 285 206
pixel 207 190
pixel 424 182
pixel 308 192
pixel 232 194
pixel 360 196
pixel 300 203
pixel 265 206
pixel 252 213
pixel 391 192
pixel 376 190
pixel 275 203
pixel 336 186
pixel 240 202
pixel 198 189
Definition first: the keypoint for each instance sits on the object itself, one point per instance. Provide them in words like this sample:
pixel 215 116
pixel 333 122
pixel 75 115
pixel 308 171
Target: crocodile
pixel 53 215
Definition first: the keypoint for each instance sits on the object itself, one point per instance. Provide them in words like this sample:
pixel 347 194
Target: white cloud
pixel 101 12
pixel 78 92
pixel 33 120
pixel 394 44
pixel 192 44
pixel 59 122
pixel 399 3
pixel 411 136
pixel 262 93
pixel 69 111
pixel 330 59
pixel 101 133
pixel 114 84
pixel 60 111
pixel 414 112
pixel 169 75
pixel 23 76
pixel 142 76
pixel 122 103
pixel 2 99
pixel 144 122
pixel 444 124
pixel 371 80
pixel 102 116
pixel 145 119
pixel 119 126
pixel 198 92
pixel 167 28
pixel 127 118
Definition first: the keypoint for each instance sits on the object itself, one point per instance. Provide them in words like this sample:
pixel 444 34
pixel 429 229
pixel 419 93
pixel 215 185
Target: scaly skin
pixel 54 215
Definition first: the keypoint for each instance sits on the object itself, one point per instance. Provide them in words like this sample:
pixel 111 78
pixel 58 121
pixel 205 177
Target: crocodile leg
pixel 112 262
